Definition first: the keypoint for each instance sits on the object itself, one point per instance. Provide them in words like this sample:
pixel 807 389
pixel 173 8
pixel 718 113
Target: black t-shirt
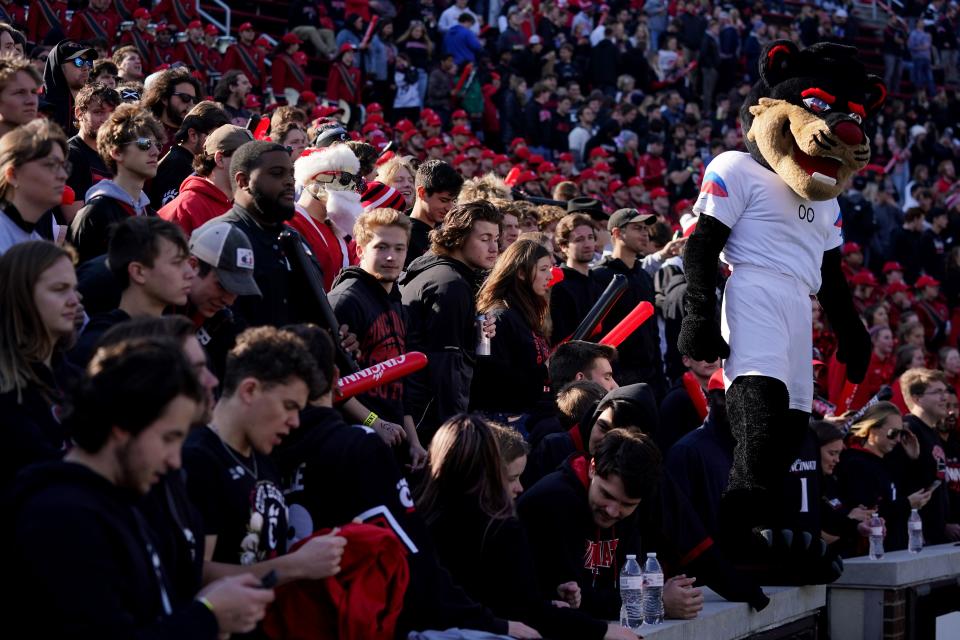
pixel 88 167
pixel 419 240
pixel 172 171
pixel 239 498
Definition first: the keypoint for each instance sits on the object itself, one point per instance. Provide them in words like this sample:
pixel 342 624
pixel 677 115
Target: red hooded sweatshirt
pixel 199 200
pixel 362 602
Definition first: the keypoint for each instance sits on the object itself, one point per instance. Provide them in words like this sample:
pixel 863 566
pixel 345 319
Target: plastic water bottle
pixel 915 532
pixel 631 592
pixel 876 537
pixel 652 591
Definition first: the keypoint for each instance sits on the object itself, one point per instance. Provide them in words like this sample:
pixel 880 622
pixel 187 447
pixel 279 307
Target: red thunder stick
pixel 369 34
pixel 68 197
pixel 260 133
pixel 556 276
pixel 388 371
pixel 640 314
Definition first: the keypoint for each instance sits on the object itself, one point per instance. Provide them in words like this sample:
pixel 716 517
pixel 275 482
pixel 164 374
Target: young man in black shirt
pixel 95 103
pixel 437 187
pixel 85 557
pixel 439 291
pixel 269 378
pixel 572 297
pixel 149 260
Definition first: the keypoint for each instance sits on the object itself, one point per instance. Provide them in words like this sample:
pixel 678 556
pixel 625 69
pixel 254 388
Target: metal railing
pixel 223 26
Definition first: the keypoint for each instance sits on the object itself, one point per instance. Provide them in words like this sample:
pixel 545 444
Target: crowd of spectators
pixel 201 232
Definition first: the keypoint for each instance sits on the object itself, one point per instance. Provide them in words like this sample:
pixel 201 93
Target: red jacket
pixel 287 73
pixel 199 200
pixel 338 87
pixel 247 59
pixel 331 252
pixel 362 602
pixel 879 373
pixel 176 12
pixel 14 14
pixel 88 24
pixel 43 14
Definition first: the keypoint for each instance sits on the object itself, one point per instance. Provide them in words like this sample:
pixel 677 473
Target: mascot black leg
pixel 756 524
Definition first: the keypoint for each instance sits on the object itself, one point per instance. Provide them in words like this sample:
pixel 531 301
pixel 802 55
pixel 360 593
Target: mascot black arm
pixel 700 336
pixel 853 342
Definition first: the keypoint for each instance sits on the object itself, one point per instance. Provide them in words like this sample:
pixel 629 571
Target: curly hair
pixel 273 357
pixel 487 187
pixel 164 86
pixel 458 224
pixel 127 123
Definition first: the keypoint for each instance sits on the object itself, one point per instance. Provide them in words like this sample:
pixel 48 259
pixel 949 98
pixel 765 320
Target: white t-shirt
pixel 771 227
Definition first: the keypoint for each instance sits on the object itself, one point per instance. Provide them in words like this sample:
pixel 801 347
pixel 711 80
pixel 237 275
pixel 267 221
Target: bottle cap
pixel 651 555
pixel 631 556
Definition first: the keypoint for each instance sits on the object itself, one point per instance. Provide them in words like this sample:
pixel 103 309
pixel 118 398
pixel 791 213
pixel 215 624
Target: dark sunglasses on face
pixel 186 97
pixel 144 144
pixel 82 62
pixel 895 434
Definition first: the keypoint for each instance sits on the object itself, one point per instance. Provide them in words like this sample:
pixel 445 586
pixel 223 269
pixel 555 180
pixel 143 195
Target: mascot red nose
pixel 772 215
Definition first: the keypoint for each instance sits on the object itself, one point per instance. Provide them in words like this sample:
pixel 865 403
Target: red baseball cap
pixel 554 181
pixel 635 181
pixel 374 107
pixel 308 96
pixel 926 281
pixel 404 125
pixel 517 141
pixel 536 159
pixel 433 121
pixel 211 30
pixel 262 42
pixel 522 152
pixel 460 158
pixel 566 156
pixel 488 154
pixel 195 24
pixel 500 159
pixel 292 38
pixel 246 26
pixel 682 205
pixel 460 130
pixel 892 266
pixel 547 167
pixel 615 185
pixel 252 101
pixel 588 174
pixel 141 14
pixel 409 134
pixel 459 113
pixel 851 247
pixel 434 142
pixel 865 278
pixel 897 287
pixel 659 192
pixel 369 127
pixel 598 152
pixel 602 167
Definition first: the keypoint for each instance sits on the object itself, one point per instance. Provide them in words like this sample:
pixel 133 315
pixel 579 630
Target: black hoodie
pixel 377 317
pixel 57 98
pixel 333 474
pixel 552 450
pixel 438 294
pixel 865 478
pixel 85 563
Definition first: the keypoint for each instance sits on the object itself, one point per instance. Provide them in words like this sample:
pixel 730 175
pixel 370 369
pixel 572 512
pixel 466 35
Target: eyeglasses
pixel 186 97
pixel 80 63
pixel 895 434
pixel 344 178
pixel 935 392
pixel 52 165
pixel 144 144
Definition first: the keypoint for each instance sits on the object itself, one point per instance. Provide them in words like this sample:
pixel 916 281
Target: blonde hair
pixel 874 417
pixel 32 141
pixel 371 220
pixel 389 169
pixel 487 187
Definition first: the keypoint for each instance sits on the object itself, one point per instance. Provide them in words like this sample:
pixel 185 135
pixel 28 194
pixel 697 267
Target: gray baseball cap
pixel 228 250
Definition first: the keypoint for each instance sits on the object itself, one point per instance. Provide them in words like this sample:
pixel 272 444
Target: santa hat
pixel 312 161
pixel 379 195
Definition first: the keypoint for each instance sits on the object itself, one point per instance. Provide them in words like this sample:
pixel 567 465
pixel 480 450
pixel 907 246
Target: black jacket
pixel 492 559
pixel 173 169
pixel 438 294
pixel 570 300
pixel 57 99
pixel 325 453
pixel 86 563
pixel 377 318
pixel 285 297
pixel 914 475
pixel 419 240
pixel 513 377
pixel 639 358
pixel 865 478
pixel 678 417
pixel 87 167
pixel 86 344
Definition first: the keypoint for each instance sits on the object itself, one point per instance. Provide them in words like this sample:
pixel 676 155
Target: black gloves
pixel 700 336
pixel 853 342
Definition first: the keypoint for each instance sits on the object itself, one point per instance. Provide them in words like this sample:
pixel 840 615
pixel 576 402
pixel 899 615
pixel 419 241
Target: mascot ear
pixel 778 61
pixel 875 93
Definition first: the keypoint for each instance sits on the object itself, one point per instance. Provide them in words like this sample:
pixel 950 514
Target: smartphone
pixel 933 486
pixel 269 581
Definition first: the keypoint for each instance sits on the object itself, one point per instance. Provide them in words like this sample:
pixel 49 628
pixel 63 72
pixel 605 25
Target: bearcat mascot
pixel 772 215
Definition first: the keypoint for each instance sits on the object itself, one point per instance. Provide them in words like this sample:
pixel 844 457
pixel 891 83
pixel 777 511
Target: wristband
pixel 370 419
pixel 206 603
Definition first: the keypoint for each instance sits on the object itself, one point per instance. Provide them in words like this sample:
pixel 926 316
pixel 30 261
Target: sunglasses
pixel 186 97
pixel 144 144
pixel 343 178
pixel 80 63
pixel 895 434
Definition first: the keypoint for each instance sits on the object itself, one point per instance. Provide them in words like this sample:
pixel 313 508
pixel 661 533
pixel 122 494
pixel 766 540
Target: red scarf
pixel 697 396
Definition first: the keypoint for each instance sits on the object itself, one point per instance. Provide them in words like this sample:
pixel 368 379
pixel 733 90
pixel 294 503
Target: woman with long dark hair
pixel 842 525
pixel 512 378
pixel 38 306
pixel 479 539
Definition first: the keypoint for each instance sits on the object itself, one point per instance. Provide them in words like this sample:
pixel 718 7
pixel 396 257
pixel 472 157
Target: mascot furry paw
pixel 336 171
pixel 773 216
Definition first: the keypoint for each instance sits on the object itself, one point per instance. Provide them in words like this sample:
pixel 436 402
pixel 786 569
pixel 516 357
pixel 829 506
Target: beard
pixel 174 115
pixel 271 209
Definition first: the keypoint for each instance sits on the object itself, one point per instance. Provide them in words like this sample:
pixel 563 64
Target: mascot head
pixel 334 170
pixel 804 118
